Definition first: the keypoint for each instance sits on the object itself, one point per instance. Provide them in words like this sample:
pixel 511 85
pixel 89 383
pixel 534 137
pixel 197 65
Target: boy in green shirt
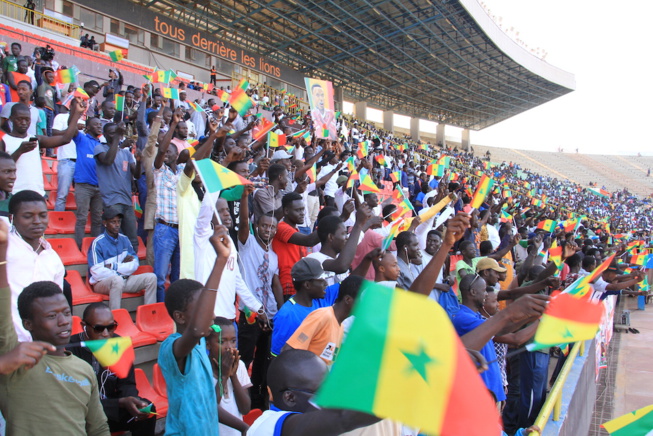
pixel 59 395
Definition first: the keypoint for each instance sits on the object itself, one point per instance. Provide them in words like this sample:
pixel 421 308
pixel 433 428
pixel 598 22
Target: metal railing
pixel 36 18
pixel 553 402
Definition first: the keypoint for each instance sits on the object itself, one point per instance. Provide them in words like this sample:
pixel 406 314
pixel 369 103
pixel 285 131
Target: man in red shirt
pixel 289 243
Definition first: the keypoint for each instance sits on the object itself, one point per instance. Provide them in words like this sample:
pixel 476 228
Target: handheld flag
pixel 381 160
pixel 312 174
pixel 239 99
pixel 394 231
pixel 363 149
pixel 395 176
pixel 483 188
pixel 66 76
pixel 119 102
pixel 637 423
pixel 367 185
pixel 116 55
pixel 567 319
pixel 547 225
pixel 79 92
pixel 581 287
pixel 265 127
pixel 555 255
pixel 352 178
pixel 116 354
pixel 170 93
pixel 410 376
pixel 276 140
pixel 216 177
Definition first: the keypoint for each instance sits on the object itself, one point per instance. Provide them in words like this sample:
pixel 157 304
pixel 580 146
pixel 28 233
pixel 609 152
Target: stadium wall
pixel 212 44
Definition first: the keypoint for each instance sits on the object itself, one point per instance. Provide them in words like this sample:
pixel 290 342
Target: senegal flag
pixel 116 55
pixel 363 149
pixel 567 319
pixel 117 354
pixel 216 177
pixel 482 190
pixel 547 225
pixel 368 185
pixel 637 423
pixel 412 369
pixel 312 173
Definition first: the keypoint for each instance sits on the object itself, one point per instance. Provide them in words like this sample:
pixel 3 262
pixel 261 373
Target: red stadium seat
pixel 86 244
pixel 144 269
pixel 142 250
pixel 47 169
pixel 145 390
pixel 159 381
pixel 70 201
pixel 50 185
pixel 154 319
pixel 81 293
pixel 126 327
pixel 67 250
pixel 77 325
pixel 252 416
pixel 61 223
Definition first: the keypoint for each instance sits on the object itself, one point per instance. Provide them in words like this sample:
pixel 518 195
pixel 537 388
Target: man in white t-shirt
pixel 337 249
pixel 294 377
pixel 66 157
pixel 24 148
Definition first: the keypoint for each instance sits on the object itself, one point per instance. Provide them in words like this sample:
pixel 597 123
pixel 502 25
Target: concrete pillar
pixel 414 128
pixel 439 134
pixel 360 110
pixel 464 141
pixel 338 97
pixel 388 121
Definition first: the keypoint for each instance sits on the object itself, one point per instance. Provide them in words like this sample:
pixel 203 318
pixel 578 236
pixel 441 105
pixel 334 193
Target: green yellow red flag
pixel 482 190
pixel 415 370
pixel 116 354
pixel 637 423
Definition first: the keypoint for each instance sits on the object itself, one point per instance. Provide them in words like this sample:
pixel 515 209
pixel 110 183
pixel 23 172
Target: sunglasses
pixel 99 328
pixel 475 278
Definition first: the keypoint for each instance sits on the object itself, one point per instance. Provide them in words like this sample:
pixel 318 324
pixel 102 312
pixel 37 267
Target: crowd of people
pixel 261 279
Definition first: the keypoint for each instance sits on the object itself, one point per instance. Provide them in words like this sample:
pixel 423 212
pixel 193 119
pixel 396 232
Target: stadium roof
pixel 443 60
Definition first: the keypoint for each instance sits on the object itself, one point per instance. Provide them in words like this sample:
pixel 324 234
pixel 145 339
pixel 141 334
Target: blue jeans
pixel 65 172
pixel 166 257
pixel 533 380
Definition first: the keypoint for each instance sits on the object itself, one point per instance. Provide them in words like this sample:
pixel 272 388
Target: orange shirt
pixel 320 334
pixel 288 254
pixel 18 77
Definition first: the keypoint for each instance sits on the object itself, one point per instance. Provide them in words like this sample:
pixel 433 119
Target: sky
pixel 607 46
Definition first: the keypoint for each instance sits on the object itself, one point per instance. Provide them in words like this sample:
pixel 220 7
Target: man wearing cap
pixel 182 103
pixel 311 293
pixel 282 157
pixel 112 261
pixel 468 318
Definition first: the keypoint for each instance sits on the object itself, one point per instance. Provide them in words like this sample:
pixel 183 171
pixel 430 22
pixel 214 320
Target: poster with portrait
pixel 320 98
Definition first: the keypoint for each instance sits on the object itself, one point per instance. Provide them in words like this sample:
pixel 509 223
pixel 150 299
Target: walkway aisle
pixel 634 381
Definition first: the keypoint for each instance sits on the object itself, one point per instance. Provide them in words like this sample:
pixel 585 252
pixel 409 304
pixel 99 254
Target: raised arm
pixel 342 263
pixel 76 110
pixel 165 143
pixel 425 281
pixel 243 214
pixel 109 156
pixel 200 322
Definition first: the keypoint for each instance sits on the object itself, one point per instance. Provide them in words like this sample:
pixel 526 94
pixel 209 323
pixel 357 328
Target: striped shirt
pixel 166 193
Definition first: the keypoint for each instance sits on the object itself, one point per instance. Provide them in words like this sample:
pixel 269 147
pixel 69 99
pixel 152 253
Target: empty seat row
pixel 152 324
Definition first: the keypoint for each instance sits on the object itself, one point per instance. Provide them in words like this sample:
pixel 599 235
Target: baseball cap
pixel 110 213
pixel 341 179
pixel 612 269
pixel 489 263
pixel 281 154
pixel 306 269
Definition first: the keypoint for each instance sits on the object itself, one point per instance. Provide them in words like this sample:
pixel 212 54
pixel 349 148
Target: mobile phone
pixel 33 139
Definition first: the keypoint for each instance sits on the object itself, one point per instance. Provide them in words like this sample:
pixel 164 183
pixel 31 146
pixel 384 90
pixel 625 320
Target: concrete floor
pixel 634 379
